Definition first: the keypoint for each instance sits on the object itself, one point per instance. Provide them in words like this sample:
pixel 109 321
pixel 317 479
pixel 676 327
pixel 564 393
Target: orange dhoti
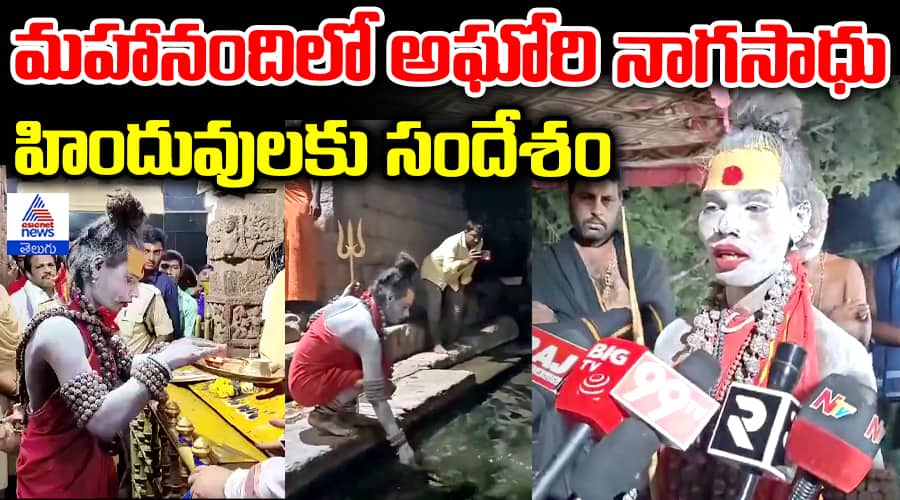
pixel 300 240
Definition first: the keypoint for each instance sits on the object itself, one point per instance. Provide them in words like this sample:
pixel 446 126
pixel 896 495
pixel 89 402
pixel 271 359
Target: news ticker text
pixel 234 159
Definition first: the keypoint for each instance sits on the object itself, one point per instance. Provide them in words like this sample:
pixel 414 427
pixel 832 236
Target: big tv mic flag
pixel 754 421
pixel 835 437
pixel 584 399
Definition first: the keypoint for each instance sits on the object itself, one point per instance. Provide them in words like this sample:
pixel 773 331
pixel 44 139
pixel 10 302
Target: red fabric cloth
pixel 16 285
pixel 799 328
pixel 59 460
pixel 62 285
pixel 322 366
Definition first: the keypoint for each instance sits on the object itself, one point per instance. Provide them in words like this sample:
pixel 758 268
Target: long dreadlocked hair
pixel 109 238
pixel 275 261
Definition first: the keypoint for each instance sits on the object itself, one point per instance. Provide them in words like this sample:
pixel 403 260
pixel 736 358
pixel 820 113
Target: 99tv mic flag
pixel 663 403
pixel 752 427
pixel 835 437
pixel 674 402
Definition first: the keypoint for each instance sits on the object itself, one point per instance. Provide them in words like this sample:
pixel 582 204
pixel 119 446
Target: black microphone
pixel 754 421
pixel 613 468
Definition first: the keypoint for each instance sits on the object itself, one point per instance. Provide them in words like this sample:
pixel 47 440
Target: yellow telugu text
pixel 233 159
pixel 429 154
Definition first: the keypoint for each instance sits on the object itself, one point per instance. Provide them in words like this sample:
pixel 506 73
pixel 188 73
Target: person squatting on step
pixel 79 387
pixel 341 356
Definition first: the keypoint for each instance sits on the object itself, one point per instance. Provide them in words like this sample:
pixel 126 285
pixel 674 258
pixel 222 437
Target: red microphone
pixel 584 398
pixel 835 437
pixel 673 401
pixel 552 358
pixel 616 371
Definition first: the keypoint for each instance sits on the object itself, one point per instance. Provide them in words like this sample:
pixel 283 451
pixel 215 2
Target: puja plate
pixel 249 369
pixel 248 413
pixel 230 446
pixel 190 374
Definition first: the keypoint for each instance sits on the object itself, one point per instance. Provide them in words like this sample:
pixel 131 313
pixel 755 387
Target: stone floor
pixel 424 385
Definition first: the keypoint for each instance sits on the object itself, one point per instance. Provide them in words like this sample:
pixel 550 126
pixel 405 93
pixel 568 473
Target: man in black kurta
pixel 570 297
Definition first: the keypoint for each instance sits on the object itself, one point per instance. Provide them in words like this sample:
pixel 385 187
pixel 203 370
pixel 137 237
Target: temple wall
pixel 414 216
pixel 241 231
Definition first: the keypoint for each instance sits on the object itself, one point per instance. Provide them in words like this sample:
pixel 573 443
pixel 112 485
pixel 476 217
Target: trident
pixel 353 247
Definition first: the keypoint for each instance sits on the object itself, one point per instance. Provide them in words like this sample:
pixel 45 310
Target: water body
pixel 481 452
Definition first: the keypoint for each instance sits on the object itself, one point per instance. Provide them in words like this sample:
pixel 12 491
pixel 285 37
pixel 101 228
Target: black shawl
pixel 561 282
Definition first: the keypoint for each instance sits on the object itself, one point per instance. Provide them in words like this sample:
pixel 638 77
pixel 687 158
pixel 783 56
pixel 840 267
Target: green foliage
pixel 855 141
pixel 851 144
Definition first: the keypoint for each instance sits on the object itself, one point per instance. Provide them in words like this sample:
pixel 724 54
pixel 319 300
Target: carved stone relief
pixel 240 235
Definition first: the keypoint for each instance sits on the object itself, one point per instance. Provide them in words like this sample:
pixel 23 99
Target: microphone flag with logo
pixel 552 358
pixel 754 421
pixel 835 436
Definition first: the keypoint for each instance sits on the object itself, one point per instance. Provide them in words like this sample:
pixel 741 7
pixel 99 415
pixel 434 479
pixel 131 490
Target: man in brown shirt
pixel 838 287
pixel 145 321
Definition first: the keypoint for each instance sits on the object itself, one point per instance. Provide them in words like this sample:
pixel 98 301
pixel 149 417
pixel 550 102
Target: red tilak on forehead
pixel 732 175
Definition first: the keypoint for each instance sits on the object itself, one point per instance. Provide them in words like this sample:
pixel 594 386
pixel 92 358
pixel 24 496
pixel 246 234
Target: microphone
pixel 671 406
pixel 752 426
pixel 552 358
pixel 835 437
pixel 614 466
pixel 586 397
pixel 674 402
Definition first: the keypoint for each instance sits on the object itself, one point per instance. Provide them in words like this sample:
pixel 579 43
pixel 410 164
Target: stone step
pixel 310 454
pixel 424 387
pixel 469 345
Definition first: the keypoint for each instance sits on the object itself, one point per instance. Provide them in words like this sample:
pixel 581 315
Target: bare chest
pixel 827 284
pixel 603 268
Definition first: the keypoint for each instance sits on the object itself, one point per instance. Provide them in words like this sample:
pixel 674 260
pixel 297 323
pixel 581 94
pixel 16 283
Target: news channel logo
pixel 37 224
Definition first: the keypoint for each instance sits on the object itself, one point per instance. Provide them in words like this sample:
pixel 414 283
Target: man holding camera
pixel 445 272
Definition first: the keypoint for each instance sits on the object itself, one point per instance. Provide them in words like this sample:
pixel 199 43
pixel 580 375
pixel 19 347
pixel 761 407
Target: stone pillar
pixel 241 231
pixel 4 276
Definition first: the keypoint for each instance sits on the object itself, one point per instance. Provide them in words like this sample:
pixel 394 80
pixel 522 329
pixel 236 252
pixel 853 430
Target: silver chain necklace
pixel 711 326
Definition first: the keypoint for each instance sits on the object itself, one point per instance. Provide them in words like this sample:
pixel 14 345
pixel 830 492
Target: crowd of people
pixel 138 309
pixel 169 305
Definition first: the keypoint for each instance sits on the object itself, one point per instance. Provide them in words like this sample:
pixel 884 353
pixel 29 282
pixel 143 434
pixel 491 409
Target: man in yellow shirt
pixel 445 272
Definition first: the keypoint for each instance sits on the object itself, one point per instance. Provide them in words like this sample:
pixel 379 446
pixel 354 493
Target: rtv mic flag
pixel 752 427
pixel 835 436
